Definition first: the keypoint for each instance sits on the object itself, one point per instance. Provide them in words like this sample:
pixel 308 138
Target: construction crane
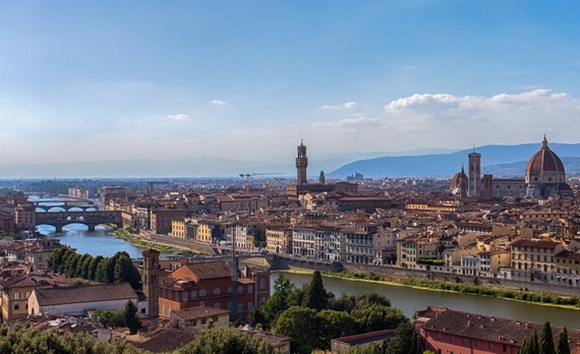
pixel 248 175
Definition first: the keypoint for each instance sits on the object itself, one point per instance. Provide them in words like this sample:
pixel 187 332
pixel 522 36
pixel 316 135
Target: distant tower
pixel 301 164
pixel 474 184
pixel 151 280
pixel 321 178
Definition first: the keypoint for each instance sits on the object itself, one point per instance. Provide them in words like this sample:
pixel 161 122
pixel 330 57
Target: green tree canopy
pixel 301 324
pixel 226 340
pixel 562 345
pixel 546 341
pixel 284 296
pixel 315 296
pixel 131 317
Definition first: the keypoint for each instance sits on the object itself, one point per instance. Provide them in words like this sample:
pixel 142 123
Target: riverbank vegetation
pixel 128 236
pixel 477 288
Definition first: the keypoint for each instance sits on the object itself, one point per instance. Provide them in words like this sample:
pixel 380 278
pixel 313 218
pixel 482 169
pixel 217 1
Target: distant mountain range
pixel 499 160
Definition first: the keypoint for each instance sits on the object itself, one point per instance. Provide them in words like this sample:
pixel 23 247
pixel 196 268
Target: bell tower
pixel 474 180
pixel 301 165
pixel 151 281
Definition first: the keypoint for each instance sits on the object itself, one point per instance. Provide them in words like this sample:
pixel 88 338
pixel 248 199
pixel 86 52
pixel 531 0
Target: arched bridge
pixel 47 204
pixel 89 218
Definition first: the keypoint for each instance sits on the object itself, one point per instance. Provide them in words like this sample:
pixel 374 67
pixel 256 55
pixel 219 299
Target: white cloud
pixel 346 105
pixel 218 103
pixel 443 120
pixel 178 117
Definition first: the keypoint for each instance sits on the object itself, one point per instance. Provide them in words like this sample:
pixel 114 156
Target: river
pixel 99 242
pixel 409 300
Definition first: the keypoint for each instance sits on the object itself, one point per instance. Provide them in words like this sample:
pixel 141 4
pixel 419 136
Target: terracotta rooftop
pixel 88 293
pixel 210 270
pixel 489 328
pixel 197 312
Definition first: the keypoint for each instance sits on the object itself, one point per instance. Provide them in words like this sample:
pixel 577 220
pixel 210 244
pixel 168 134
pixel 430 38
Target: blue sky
pixel 101 80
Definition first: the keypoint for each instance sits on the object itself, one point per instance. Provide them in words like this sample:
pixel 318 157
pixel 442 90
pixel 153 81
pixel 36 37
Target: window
pixel 217 291
pixel 16 307
pixel 202 292
pixel 185 294
pixel 451 339
pixel 240 289
pixel 439 336
pixel 240 307
pixel 230 289
pixel 251 286
pixel 477 343
pixel 490 345
pixel 193 294
pixel 262 284
pixel 17 296
pixel 217 306
pixel 27 294
pixel 231 306
pixel 250 306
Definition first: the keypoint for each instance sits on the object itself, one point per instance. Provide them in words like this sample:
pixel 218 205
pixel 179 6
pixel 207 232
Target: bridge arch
pixel 89 218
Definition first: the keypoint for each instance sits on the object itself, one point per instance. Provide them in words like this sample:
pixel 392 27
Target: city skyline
pixel 95 81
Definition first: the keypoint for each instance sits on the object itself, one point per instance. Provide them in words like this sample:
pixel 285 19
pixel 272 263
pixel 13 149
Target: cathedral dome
pixel 459 180
pixel 545 166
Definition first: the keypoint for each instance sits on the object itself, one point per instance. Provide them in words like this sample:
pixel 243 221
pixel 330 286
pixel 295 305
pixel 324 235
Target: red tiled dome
pixel 460 179
pixel 545 160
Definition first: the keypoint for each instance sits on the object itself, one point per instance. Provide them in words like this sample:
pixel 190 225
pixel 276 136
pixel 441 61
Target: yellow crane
pixel 248 175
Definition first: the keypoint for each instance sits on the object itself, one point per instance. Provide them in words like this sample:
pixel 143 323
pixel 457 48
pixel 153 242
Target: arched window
pixel 202 292
pixel 217 306
pixel 217 291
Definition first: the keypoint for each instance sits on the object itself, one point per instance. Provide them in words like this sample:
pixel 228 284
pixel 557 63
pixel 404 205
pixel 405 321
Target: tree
pixel 131 317
pixel 315 296
pixel 375 317
pixel 301 324
pixel 546 341
pixel 562 345
pixel 405 340
pixel 125 271
pixel 334 324
pixel 226 340
pixel 284 296
pixel 109 318
pixel 259 237
pixel 92 271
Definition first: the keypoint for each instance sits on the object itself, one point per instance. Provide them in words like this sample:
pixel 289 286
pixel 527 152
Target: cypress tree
pixel 533 344
pixel 546 342
pixel 315 296
pixel 562 346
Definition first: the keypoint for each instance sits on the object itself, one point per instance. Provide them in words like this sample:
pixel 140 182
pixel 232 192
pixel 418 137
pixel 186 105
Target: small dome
pixel 543 161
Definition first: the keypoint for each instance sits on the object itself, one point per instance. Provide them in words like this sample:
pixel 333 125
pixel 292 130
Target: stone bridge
pixel 59 219
pixel 65 204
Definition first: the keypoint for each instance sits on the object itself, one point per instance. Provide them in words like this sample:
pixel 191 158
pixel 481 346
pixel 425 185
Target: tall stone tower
pixel 151 280
pixel 474 182
pixel 301 164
